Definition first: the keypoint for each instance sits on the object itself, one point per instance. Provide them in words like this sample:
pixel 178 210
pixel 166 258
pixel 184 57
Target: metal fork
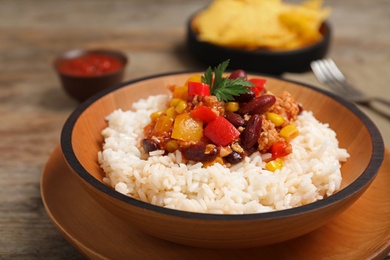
pixel 330 75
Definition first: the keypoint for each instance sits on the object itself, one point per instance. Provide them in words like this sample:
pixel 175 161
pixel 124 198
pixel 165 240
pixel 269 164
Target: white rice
pixel 310 173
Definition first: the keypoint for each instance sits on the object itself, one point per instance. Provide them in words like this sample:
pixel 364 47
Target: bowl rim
pixel 74 53
pixel 325 26
pixel 361 182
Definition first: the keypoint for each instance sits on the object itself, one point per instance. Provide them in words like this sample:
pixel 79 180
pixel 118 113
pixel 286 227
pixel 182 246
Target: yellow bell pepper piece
pixel 156 115
pixel 180 92
pixel 163 125
pixel 186 128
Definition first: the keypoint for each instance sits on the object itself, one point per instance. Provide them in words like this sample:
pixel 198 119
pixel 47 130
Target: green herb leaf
pixel 229 88
pixel 224 89
pixel 218 73
pixel 208 77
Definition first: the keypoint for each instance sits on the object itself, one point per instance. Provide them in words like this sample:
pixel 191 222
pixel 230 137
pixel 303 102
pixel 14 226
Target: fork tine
pixel 333 75
pixel 342 80
pixel 323 74
pixel 315 66
pixel 334 70
pixel 328 73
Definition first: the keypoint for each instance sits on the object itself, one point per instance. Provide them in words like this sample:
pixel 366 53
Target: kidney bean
pixel 234 157
pixel 150 145
pixel 245 97
pixel 238 74
pixel 300 107
pixel 251 133
pixel 258 105
pixel 235 119
pixel 251 150
pixel 197 152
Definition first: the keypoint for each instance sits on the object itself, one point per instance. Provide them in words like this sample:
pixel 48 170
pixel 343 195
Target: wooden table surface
pixel 33 107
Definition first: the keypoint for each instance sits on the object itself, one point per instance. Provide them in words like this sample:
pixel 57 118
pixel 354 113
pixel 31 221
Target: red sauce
pixel 90 65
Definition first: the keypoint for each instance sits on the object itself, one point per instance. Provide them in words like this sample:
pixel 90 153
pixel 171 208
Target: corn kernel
pixel 194 78
pixel 171 112
pixel 274 165
pixel 181 106
pixel 278 120
pixel 232 106
pixel 171 146
pixel 175 101
pixel 289 132
pixel 156 114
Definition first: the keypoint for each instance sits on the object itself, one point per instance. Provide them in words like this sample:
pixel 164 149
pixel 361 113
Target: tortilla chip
pixel 253 24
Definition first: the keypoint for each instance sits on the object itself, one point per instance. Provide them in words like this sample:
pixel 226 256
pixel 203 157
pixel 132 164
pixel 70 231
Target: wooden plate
pixel 361 232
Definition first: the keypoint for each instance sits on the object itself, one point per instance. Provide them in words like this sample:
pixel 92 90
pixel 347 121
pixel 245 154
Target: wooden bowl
pixel 81 87
pixel 81 140
pixel 260 60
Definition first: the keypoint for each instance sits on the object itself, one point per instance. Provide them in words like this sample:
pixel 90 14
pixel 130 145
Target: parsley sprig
pixel 224 89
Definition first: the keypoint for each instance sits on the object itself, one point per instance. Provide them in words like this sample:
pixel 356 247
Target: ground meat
pixel 149 128
pixel 269 135
pixel 287 107
pixel 210 102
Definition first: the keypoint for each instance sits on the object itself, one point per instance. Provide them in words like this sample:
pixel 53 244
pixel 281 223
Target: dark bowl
pixel 81 140
pixel 263 61
pixel 82 87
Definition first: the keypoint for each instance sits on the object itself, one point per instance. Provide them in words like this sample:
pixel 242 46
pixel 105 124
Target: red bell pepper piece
pixel 198 89
pixel 280 149
pixel 203 114
pixel 259 85
pixel 220 131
